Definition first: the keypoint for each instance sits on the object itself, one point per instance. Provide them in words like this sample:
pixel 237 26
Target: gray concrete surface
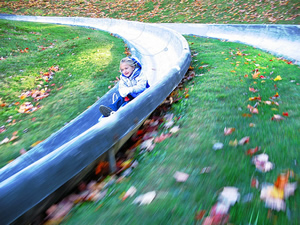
pixel 280 40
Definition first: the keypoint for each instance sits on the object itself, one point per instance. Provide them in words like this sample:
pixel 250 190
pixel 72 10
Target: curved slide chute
pixel 280 40
pixel 28 181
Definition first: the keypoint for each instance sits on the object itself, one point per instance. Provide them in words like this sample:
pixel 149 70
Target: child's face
pixel 126 69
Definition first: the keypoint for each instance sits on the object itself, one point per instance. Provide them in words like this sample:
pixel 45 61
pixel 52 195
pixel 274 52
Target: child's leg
pixel 106 111
pixel 117 104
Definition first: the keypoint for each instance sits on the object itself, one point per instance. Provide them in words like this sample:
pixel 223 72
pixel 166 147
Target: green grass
pixel 87 60
pixel 218 98
pixel 213 11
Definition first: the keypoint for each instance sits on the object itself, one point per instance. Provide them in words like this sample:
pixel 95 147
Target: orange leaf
pixel 35 144
pixel 255 98
pixel 246 115
pixel 23 96
pixel 256 74
pixel 281 181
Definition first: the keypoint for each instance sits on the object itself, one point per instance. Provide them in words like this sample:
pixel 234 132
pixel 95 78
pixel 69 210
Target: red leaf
pixel 252 151
pixel 285 114
pixel 200 215
pixel 254 183
pixel 244 140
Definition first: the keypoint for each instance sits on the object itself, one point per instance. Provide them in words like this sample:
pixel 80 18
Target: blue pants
pixel 120 102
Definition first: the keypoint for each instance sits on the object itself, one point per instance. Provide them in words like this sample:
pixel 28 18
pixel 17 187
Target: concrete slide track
pixel 30 180
pixel 68 154
pixel 280 40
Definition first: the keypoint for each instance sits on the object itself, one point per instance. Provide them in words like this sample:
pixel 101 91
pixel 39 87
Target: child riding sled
pixel 132 83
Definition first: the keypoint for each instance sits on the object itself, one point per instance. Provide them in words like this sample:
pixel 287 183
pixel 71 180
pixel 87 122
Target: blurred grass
pixel 218 98
pixel 179 11
pixel 87 59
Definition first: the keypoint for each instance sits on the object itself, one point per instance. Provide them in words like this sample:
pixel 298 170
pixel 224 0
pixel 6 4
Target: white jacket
pixel 133 85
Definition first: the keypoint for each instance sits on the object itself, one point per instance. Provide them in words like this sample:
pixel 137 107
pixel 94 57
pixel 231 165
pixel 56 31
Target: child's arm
pixel 126 88
pixel 140 85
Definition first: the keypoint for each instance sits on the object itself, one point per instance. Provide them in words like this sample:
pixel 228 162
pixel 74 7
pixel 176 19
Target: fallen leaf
pixel 246 115
pixel 4 141
pixel 277 117
pixel 252 109
pixel 13 138
pixel 180 176
pixel 131 191
pixel 262 163
pixel 205 170
pixel 277 78
pixel 228 131
pixel 22 151
pixel 162 137
pixel 285 114
pixel 252 151
pixel 244 140
pixel 59 210
pixel 281 181
pixel 253 90
pixel 145 198
pixel 219 209
pixel 217 146
pixel 35 143
pixel 233 143
pixel 256 74
pixel 174 129
pixel 267 102
pixel 2 129
pixel 200 215
pixel 289 189
pixel 254 183
pixel 229 195
pixel 169 124
pixel 255 98
pixel 275 96
pixel 148 145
